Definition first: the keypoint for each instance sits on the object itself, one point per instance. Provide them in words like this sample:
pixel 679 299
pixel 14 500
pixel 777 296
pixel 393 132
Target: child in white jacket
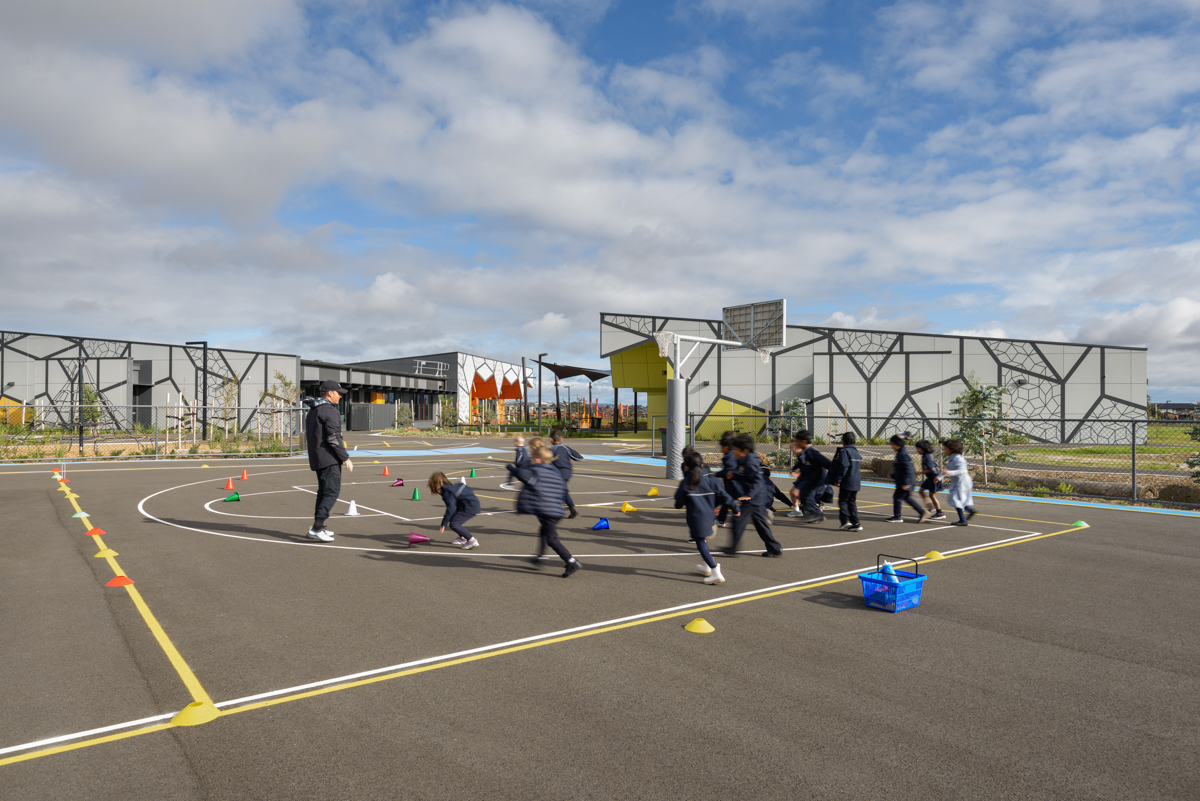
pixel 960 490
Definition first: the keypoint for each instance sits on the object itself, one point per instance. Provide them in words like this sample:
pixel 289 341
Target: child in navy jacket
pixel 542 496
pixel 563 456
pixel 904 476
pixel 461 506
pixel 846 475
pixel 754 498
pixel 701 494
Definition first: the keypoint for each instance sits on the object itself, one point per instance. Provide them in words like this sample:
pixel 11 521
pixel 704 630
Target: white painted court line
pixel 482 649
pixel 360 506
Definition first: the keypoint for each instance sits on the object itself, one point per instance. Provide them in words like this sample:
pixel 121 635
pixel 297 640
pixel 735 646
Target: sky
pixel 361 179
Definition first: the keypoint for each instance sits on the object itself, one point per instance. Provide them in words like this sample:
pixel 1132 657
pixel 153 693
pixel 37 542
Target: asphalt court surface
pixel 1059 662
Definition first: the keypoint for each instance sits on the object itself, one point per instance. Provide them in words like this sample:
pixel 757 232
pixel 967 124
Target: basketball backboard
pixel 756 325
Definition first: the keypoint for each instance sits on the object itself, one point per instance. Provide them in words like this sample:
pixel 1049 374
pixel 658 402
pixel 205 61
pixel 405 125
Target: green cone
pixel 416 494
pixel 233 497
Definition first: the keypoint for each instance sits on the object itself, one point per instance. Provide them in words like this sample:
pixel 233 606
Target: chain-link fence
pixel 44 433
pixel 1134 460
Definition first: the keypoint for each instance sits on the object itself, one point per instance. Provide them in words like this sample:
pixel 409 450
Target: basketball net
pixel 764 355
pixel 665 340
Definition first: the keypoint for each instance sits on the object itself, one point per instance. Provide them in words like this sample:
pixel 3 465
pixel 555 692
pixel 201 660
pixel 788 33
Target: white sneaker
pixel 705 570
pixel 471 543
pixel 795 513
pixel 458 541
pixel 322 534
pixel 845 527
pixel 716 577
pixel 855 528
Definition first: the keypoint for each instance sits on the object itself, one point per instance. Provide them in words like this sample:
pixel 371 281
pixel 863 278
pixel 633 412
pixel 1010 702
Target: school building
pixel 882 382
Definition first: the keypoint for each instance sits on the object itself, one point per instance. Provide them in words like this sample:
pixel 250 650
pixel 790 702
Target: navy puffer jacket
pixel 701 502
pixel 543 492
pixel 458 498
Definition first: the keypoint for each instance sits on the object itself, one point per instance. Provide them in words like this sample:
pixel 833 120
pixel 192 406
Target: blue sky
pixel 361 179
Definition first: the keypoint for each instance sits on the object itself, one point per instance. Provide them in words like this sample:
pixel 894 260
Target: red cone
pixel 244 476
pixel 229 484
pixel 415 538
pixel 385 471
pixel 95 532
pixel 119 581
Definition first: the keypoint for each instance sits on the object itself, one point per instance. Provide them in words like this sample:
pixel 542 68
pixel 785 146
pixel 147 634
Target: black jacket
pixel 749 481
pixel 323 430
pixel 812 465
pixel 701 502
pixel 543 492
pixel 847 469
pixel 903 471
pixel 458 498
pixel 563 456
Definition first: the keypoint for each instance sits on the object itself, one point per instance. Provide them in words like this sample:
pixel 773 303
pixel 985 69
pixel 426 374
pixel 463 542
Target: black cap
pixel 333 386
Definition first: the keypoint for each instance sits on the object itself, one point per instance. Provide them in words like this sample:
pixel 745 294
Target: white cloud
pixel 758 11
pixel 986 333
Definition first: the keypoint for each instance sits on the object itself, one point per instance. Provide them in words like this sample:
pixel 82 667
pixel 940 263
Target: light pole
pixel 540 355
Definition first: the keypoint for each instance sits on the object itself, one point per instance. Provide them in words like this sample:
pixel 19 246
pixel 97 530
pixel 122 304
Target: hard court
pixel 1047 659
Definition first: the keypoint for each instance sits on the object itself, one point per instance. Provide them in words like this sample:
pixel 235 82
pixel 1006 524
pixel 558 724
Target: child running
pixel 960 490
pixel 846 475
pixel 929 481
pixel 904 475
pixel 809 472
pixel 520 459
pixel 563 456
pixel 754 498
pixel 542 496
pixel 701 493
pixel 461 506
pixel 728 466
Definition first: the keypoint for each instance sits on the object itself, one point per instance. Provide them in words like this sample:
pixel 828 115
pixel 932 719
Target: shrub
pixel 1065 488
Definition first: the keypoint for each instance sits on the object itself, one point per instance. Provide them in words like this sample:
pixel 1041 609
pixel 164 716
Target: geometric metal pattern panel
pixel 1022 355
pixel 867 349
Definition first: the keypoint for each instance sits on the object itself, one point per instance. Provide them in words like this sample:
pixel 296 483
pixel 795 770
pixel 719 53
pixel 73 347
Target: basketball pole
pixel 677 394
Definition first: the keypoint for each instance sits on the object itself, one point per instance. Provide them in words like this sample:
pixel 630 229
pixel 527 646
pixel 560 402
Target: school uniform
pixel 904 474
pixel 461 506
pixel 563 456
pixel 929 473
pixel 846 473
pixel 701 502
pixel 728 466
pixel 750 482
pixel 813 466
pixel 960 491
pixel 542 496
pixel 520 459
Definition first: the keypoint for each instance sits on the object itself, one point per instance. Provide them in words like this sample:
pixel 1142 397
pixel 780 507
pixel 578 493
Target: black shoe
pixel 810 519
pixel 970 515
pixel 772 554
pixel 536 561
pixel 894 520
pixel 730 552
pixel 574 513
pixel 959 523
pixel 572 566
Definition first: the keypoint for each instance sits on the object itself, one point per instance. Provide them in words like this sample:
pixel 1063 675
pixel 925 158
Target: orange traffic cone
pixel 385 471
pixel 229 484
pixel 244 476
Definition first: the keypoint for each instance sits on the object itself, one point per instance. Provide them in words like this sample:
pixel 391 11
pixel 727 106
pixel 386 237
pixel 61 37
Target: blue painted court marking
pixel 1031 499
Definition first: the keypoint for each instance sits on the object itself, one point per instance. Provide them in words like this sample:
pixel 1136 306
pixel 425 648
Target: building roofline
pixel 154 344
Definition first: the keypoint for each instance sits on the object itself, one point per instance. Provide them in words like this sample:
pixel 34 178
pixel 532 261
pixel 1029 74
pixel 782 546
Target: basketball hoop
pixel 764 355
pixel 665 340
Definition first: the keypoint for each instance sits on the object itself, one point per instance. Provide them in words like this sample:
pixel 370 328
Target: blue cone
pixel 601 525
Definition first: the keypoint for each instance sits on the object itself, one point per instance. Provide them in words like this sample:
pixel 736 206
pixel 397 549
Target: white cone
pixel 353 511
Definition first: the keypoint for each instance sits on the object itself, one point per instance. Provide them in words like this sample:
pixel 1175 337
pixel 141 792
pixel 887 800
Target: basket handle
pixel 879 562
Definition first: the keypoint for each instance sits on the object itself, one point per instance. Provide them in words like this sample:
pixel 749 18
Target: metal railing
pixel 49 433
pixel 1137 460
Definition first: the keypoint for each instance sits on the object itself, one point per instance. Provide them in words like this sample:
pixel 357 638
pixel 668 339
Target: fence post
pixel 1133 460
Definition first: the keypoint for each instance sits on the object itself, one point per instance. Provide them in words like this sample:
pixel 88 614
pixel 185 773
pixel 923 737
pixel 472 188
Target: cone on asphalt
pixel 398 482
pixel 933 556
pixel 700 626
pixel 628 507
pixel 81 514
pixel 245 477
pixel 385 471
pixel 95 532
pixel 1079 524
pixel 107 552
pixel 120 581
pixel 195 713
pixel 601 524
pixel 229 484
pixel 232 498
pixel 416 494
pixel 352 511
pixel 653 493
pixel 473 472
pixel 416 539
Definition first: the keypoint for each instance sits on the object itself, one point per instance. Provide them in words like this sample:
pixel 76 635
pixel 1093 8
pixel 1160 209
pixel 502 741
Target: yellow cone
pixel 204 465
pixel 375 462
pixel 933 556
pixel 628 507
pixel 105 553
pixel 700 626
pixel 653 493
pixel 195 713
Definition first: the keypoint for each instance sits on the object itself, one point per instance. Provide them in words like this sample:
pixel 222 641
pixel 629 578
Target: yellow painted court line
pixel 477 657
pixel 177 661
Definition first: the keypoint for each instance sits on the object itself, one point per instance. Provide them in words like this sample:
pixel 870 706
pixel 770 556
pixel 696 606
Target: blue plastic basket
pixel 891 595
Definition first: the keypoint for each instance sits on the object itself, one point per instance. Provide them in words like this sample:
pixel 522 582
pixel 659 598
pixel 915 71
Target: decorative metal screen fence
pixel 1136 460
pixel 103 431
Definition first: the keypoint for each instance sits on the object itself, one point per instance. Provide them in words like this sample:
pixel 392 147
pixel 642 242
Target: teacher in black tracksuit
pixel 326 453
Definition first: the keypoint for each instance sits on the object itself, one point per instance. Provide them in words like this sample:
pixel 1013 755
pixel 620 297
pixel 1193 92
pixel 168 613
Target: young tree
pixel 979 411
